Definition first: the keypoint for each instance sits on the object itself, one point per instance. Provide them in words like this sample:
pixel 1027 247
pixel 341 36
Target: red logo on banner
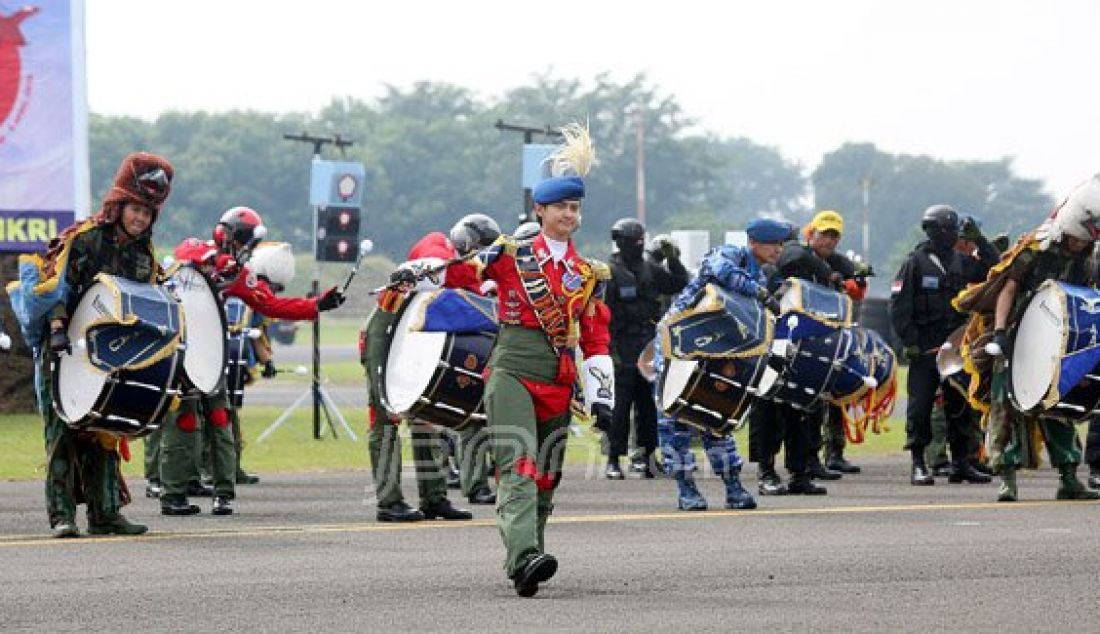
pixel 11 66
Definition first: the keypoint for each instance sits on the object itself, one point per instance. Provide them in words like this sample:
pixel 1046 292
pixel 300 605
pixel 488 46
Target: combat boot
pixel 736 495
pixel 1094 478
pixel 65 528
pixel 117 525
pixel 919 476
pixel 1008 491
pixel 443 509
pixel 534 571
pixel 964 471
pixel 690 499
pixel 1070 488
pixel 769 482
pixel 177 505
pixel 398 512
pixel 223 505
pixel 613 471
pixel 801 484
pixel 153 488
pixel 818 471
pixel 837 462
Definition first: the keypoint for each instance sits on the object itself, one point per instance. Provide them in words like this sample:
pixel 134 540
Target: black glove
pixel 602 414
pixel 970 230
pixel 669 250
pixel 769 300
pixel 59 341
pixel 998 345
pixel 269 370
pixel 402 276
pixel 330 300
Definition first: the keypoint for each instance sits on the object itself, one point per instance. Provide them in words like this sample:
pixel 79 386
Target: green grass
pixel 292 448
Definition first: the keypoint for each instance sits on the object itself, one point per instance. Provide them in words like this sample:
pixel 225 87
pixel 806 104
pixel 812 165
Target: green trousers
pixel 79 469
pixel 529 454
pixel 152 455
pixel 177 450
pixel 384 447
pixel 473 455
pixel 832 432
pixel 1010 440
pixel 383 441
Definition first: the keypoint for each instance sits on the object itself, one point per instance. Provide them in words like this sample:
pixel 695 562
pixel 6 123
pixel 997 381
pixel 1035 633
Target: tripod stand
pixel 322 400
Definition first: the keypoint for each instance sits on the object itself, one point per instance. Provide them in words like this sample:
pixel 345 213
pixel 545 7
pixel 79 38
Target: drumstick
pixel 365 247
pixel 425 273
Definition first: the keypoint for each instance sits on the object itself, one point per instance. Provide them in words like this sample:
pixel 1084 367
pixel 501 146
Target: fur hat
pixel 142 178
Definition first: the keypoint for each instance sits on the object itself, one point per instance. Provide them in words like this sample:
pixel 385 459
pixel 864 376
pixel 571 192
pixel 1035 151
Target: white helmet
pixel 273 260
pixel 1077 216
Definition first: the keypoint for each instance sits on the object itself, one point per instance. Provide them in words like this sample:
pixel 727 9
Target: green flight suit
pixel 178 446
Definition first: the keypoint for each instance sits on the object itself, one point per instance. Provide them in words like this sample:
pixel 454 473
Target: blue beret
pixel 557 189
pixel 768 230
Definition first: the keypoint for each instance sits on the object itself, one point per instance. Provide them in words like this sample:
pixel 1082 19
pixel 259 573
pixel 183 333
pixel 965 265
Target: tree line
pixel 432 154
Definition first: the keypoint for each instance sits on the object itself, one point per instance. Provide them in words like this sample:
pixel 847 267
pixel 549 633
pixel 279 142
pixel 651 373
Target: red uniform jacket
pixel 249 288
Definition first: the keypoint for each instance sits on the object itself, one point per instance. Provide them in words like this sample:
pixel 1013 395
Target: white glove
pixel 599 381
pixel 488 286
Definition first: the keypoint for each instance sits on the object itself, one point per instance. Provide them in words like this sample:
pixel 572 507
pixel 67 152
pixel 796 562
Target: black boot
pixel 443 509
pixel 483 496
pixel 153 488
pixel 769 482
pixel 818 471
pixel 801 484
pixel 399 512
pixel 177 505
pixel 1094 478
pixel 919 476
pixel 965 472
pixel 223 505
pixel 534 571
pixel 837 462
pixel 613 471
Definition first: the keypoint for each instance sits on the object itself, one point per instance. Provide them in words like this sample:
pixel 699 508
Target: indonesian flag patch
pixel 895 288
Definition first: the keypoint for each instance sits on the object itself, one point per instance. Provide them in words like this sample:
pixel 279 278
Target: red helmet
pixel 238 226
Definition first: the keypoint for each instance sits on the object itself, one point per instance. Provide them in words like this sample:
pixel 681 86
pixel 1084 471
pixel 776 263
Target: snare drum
pixel 435 377
pixel 241 357
pixel 1055 353
pixel 123 370
pixel 817 310
pixel 204 351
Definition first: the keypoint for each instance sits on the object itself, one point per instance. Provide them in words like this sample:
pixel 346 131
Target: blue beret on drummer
pixel 557 189
pixel 768 230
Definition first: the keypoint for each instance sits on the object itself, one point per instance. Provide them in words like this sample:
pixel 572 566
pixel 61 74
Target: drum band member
pixel 224 261
pixel 1058 250
pixel 433 250
pixel 84 466
pixel 549 304
pixel 738 270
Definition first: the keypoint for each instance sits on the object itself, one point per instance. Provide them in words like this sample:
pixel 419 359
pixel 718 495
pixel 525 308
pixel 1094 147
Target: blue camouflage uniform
pixel 734 269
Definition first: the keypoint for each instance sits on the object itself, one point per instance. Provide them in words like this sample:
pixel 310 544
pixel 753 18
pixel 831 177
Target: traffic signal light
pixel 337 234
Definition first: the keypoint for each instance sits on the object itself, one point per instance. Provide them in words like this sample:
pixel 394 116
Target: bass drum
pixel 1055 354
pixel 436 377
pixel 123 369
pixel 710 394
pixel 205 336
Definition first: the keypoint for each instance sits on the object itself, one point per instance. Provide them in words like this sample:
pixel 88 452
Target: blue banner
pixel 27 231
pixel 43 122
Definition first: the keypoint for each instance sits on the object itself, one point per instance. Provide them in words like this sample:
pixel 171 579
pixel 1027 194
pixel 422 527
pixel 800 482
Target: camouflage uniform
pixel 84 466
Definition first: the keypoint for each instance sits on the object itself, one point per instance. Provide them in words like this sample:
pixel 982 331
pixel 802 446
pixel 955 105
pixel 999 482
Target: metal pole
pixel 866 183
pixel 639 131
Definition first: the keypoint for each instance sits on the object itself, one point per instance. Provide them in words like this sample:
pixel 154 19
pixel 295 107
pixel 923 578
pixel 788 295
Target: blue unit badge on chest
pixel 571 281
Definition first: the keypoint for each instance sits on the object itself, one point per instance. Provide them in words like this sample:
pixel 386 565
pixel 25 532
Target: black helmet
pixel 473 232
pixel 627 229
pixel 527 231
pixel 940 217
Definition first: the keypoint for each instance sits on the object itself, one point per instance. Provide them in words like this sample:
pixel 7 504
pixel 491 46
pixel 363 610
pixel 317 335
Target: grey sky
pixel 954 79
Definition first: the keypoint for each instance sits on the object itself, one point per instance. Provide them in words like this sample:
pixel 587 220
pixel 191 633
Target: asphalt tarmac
pixel 303 553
